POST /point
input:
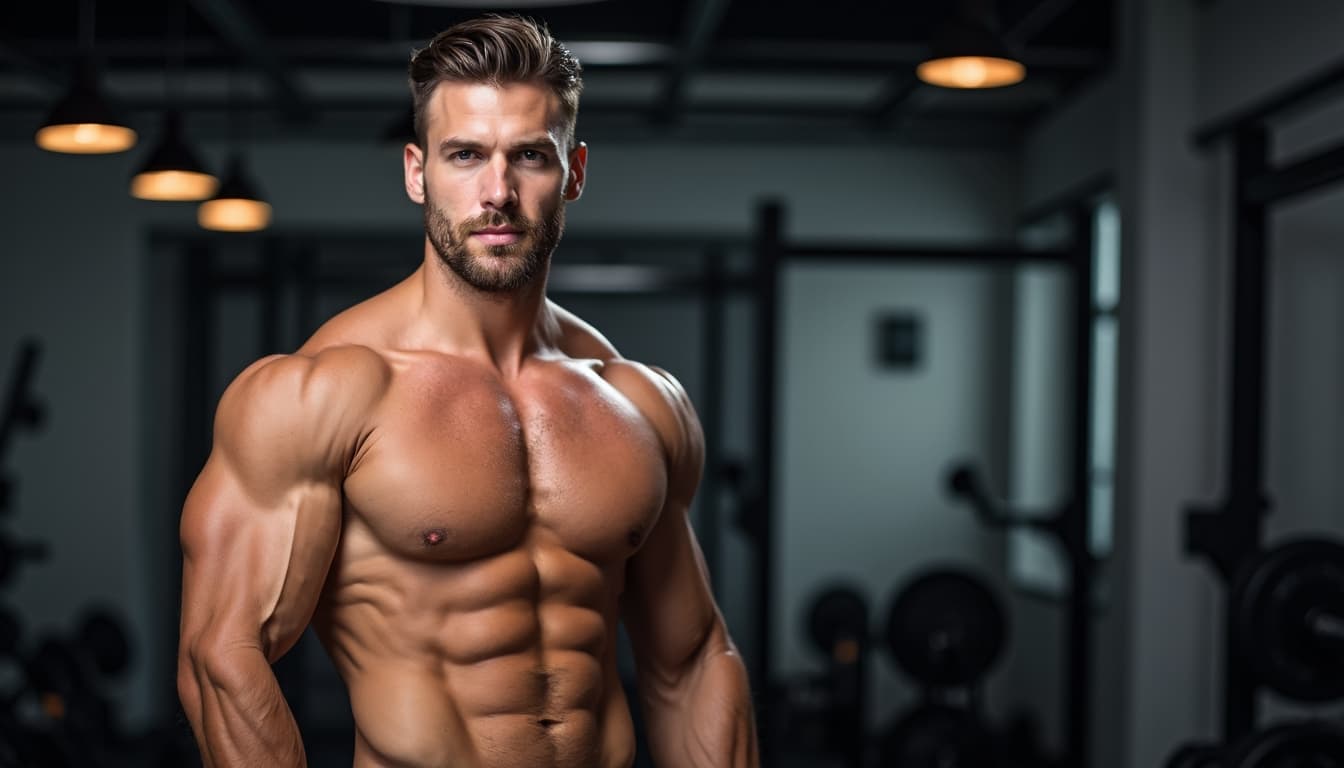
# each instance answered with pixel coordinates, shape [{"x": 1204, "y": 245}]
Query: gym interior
[{"x": 1024, "y": 411}]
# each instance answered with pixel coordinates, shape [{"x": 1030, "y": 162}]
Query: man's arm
[
  {"x": 692, "y": 682},
  {"x": 259, "y": 530}
]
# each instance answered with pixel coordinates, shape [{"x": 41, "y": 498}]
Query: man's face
[{"x": 494, "y": 179}]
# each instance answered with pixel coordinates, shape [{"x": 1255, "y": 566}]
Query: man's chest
[{"x": 458, "y": 466}]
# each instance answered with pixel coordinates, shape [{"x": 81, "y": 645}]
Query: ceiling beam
[
  {"x": 702, "y": 21},
  {"x": 740, "y": 54},
  {"x": 236, "y": 26},
  {"x": 26, "y": 65},
  {"x": 1041, "y": 15},
  {"x": 895, "y": 95}
]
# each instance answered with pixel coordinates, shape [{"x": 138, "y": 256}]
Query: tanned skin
[{"x": 463, "y": 492}]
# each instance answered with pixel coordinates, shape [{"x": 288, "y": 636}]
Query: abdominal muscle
[{"x": 503, "y": 661}]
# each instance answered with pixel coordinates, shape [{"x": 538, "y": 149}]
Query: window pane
[
  {"x": 1104, "y": 352},
  {"x": 1106, "y": 234},
  {"x": 1100, "y": 526}
]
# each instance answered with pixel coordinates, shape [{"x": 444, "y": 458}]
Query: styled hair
[{"x": 497, "y": 50}]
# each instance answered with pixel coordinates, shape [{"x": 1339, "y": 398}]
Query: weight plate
[
  {"x": 946, "y": 628},
  {"x": 838, "y": 614},
  {"x": 1292, "y": 745},
  {"x": 1284, "y": 602}
]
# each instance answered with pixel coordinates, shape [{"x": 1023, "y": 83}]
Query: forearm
[
  {"x": 704, "y": 718},
  {"x": 237, "y": 711}
]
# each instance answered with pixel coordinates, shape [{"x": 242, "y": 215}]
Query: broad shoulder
[
  {"x": 304, "y": 408},
  {"x": 664, "y": 403}
]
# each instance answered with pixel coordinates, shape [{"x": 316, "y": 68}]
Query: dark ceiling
[{"x": 718, "y": 69}]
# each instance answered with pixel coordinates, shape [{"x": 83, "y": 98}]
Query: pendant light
[
  {"x": 971, "y": 53},
  {"x": 237, "y": 206},
  {"x": 83, "y": 122},
  {"x": 173, "y": 171}
]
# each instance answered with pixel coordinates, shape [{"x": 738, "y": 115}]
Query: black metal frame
[
  {"x": 1230, "y": 534},
  {"x": 1070, "y": 522}
]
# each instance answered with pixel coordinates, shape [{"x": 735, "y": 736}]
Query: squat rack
[
  {"x": 1232, "y": 533},
  {"x": 1069, "y": 524}
]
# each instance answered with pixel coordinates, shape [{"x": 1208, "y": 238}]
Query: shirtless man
[{"x": 461, "y": 486}]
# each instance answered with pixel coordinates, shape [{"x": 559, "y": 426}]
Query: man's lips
[{"x": 498, "y": 235}]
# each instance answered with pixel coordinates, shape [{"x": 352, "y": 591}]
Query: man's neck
[{"x": 500, "y": 329}]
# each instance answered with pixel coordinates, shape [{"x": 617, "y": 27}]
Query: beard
[{"x": 495, "y": 268}]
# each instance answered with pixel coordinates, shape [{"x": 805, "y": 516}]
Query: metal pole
[
  {"x": 711, "y": 410},
  {"x": 769, "y": 234},
  {"x": 1246, "y": 502},
  {"x": 1077, "y": 516}
]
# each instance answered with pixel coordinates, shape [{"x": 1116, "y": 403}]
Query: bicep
[
  {"x": 667, "y": 606},
  {"x": 253, "y": 563}
]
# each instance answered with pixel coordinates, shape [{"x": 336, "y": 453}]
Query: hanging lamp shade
[
  {"x": 970, "y": 53},
  {"x": 84, "y": 122},
  {"x": 173, "y": 171},
  {"x": 237, "y": 206}
]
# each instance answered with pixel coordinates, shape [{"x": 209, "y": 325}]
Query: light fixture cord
[
  {"x": 87, "y": 11},
  {"x": 235, "y": 114},
  {"x": 177, "y": 57}
]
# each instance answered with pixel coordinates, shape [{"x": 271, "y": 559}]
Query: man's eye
[
  {"x": 463, "y": 155},
  {"x": 532, "y": 156}
]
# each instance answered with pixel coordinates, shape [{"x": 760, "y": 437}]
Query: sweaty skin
[{"x": 463, "y": 493}]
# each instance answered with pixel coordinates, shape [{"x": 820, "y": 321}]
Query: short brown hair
[{"x": 497, "y": 50}]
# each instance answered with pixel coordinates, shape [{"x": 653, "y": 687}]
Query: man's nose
[{"x": 497, "y": 185}]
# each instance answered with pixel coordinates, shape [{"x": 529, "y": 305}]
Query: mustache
[{"x": 495, "y": 219}]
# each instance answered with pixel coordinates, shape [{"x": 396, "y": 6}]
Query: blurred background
[{"x": 1015, "y": 325}]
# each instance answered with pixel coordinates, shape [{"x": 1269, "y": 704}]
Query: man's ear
[
  {"x": 413, "y": 158},
  {"x": 578, "y": 172}
]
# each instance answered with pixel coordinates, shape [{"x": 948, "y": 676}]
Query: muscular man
[{"x": 462, "y": 487}]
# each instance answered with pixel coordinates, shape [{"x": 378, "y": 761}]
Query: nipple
[
  {"x": 634, "y": 537},
  {"x": 434, "y": 536}
]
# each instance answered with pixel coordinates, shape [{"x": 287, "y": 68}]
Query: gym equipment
[
  {"x": 938, "y": 736},
  {"x": 1312, "y": 744},
  {"x": 21, "y": 410},
  {"x": 11, "y": 631},
  {"x": 13, "y": 553},
  {"x": 1229, "y": 535},
  {"x": 946, "y": 629},
  {"x": 103, "y": 642},
  {"x": 1305, "y": 744},
  {"x": 837, "y": 625},
  {"x": 1288, "y": 606}
]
